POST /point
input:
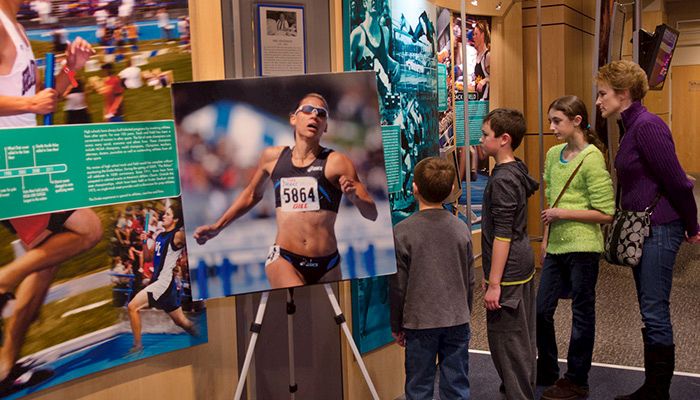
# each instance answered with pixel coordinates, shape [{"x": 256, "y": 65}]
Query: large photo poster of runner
[
  {"x": 283, "y": 182},
  {"x": 397, "y": 41}
]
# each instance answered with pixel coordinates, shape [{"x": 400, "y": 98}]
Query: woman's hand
[
  {"x": 694, "y": 239},
  {"x": 400, "y": 338},
  {"x": 347, "y": 186},
  {"x": 205, "y": 232},
  {"x": 552, "y": 215}
]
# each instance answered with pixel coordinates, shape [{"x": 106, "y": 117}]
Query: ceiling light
[
  {"x": 499, "y": 5},
  {"x": 475, "y": 2}
]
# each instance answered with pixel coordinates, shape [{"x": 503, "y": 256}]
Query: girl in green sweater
[{"x": 573, "y": 242}]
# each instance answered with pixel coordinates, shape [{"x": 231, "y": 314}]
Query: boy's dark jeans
[
  {"x": 580, "y": 271},
  {"x": 451, "y": 347}
]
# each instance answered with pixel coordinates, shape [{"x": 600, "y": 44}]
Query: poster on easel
[
  {"x": 284, "y": 182},
  {"x": 397, "y": 41}
]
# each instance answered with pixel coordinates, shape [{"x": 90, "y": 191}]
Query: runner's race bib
[{"x": 299, "y": 194}]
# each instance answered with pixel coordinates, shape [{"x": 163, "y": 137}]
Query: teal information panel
[
  {"x": 459, "y": 122},
  {"x": 442, "y": 87},
  {"x": 63, "y": 167},
  {"x": 391, "y": 139},
  {"x": 478, "y": 109}
]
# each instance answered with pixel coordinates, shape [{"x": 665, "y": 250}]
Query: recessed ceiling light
[
  {"x": 499, "y": 5},
  {"x": 475, "y": 2}
]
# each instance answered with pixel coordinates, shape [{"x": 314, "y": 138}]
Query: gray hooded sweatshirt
[{"x": 505, "y": 216}]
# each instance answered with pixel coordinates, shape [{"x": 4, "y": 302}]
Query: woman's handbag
[{"x": 625, "y": 240}]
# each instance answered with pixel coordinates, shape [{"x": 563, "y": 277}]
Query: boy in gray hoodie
[{"x": 509, "y": 265}]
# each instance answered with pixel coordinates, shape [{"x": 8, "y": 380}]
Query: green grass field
[{"x": 142, "y": 104}]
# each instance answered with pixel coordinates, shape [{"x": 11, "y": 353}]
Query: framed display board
[{"x": 281, "y": 40}]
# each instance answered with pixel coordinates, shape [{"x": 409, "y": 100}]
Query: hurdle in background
[{"x": 227, "y": 269}]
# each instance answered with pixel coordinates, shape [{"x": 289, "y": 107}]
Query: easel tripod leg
[
  {"x": 255, "y": 328},
  {"x": 340, "y": 320},
  {"x": 291, "y": 309}
]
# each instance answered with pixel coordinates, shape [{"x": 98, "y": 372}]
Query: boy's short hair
[
  {"x": 434, "y": 177},
  {"x": 507, "y": 120}
]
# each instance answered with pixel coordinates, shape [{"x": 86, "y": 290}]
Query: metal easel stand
[
  {"x": 256, "y": 326},
  {"x": 340, "y": 320}
]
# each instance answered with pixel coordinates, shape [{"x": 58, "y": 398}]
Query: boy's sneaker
[{"x": 564, "y": 389}]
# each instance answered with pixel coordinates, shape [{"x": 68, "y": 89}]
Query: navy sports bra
[{"x": 304, "y": 188}]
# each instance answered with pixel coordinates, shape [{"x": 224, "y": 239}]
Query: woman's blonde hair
[{"x": 624, "y": 75}]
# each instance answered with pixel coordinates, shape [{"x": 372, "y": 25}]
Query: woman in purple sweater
[{"x": 647, "y": 167}]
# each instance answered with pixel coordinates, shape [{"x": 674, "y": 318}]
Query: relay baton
[
  {"x": 145, "y": 228},
  {"x": 49, "y": 83}
]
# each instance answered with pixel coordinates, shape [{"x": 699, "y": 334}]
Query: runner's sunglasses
[{"x": 308, "y": 109}]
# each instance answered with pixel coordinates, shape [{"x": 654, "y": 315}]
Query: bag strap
[
  {"x": 649, "y": 209},
  {"x": 571, "y": 178}
]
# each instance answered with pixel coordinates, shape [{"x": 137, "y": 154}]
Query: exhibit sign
[
  {"x": 396, "y": 40},
  {"x": 283, "y": 181},
  {"x": 478, "y": 109},
  {"x": 65, "y": 167},
  {"x": 70, "y": 315},
  {"x": 281, "y": 40},
  {"x": 391, "y": 139},
  {"x": 122, "y": 248},
  {"x": 442, "y": 88}
]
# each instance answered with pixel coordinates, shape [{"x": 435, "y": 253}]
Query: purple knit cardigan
[{"x": 647, "y": 164}]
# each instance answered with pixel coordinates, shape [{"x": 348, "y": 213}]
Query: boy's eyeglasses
[{"x": 308, "y": 109}]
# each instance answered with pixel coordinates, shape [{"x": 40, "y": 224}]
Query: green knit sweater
[{"x": 591, "y": 189}]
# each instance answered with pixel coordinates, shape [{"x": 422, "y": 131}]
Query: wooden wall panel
[
  {"x": 559, "y": 14},
  {"x": 583, "y": 7},
  {"x": 686, "y": 119},
  {"x": 532, "y": 159},
  {"x": 207, "y": 40},
  {"x": 506, "y": 60},
  {"x": 553, "y": 72}
]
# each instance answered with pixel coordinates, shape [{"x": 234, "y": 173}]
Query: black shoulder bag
[{"x": 625, "y": 242}]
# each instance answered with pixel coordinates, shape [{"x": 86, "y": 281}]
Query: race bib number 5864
[{"x": 299, "y": 194}]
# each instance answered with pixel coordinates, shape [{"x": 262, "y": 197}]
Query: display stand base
[{"x": 256, "y": 326}]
